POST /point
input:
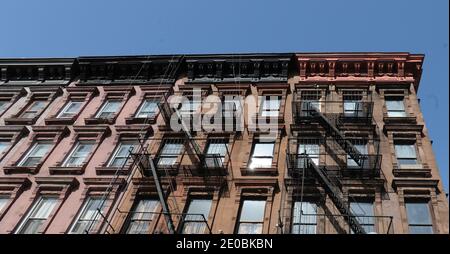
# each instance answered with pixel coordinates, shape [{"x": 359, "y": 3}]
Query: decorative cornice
[
  {"x": 238, "y": 68},
  {"x": 360, "y": 67},
  {"x": 36, "y": 71},
  {"x": 126, "y": 69}
]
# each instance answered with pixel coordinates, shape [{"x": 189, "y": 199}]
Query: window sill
[
  {"x": 104, "y": 170},
  {"x": 21, "y": 170},
  {"x": 268, "y": 119},
  {"x": 416, "y": 171},
  {"x": 140, "y": 120},
  {"x": 272, "y": 171},
  {"x": 59, "y": 170},
  {"x": 60, "y": 121},
  {"x": 20, "y": 121},
  {"x": 397, "y": 120},
  {"x": 94, "y": 120}
]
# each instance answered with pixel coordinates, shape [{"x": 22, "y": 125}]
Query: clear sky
[{"x": 59, "y": 28}]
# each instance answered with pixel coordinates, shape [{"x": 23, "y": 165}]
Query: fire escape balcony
[{"x": 358, "y": 112}]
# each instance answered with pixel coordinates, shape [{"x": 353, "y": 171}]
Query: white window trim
[
  {"x": 85, "y": 204},
  {"x": 113, "y": 157},
  {"x": 73, "y": 151},
  {"x": 142, "y": 107},
  {"x": 27, "y": 217},
  {"x": 66, "y": 107},
  {"x": 103, "y": 107},
  {"x": 24, "y": 158}
]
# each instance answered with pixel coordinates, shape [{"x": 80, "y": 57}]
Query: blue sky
[{"x": 87, "y": 27}]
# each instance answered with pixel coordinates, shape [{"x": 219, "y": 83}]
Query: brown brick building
[{"x": 87, "y": 145}]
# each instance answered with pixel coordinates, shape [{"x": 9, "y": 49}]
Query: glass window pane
[
  {"x": 405, "y": 151},
  {"x": 418, "y": 213},
  {"x": 3, "y": 201},
  {"x": 37, "y": 106},
  {"x": 40, "y": 150},
  {"x": 263, "y": 149},
  {"x": 31, "y": 226},
  {"x": 253, "y": 211},
  {"x": 260, "y": 163},
  {"x": 250, "y": 228},
  {"x": 199, "y": 206},
  {"x": 44, "y": 208},
  {"x": 421, "y": 230},
  {"x": 308, "y": 212},
  {"x": 217, "y": 148},
  {"x": 144, "y": 207},
  {"x": 3, "y": 146},
  {"x": 172, "y": 149},
  {"x": 395, "y": 105},
  {"x": 73, "y": 106},
  {"x": 396, "y": 114}
]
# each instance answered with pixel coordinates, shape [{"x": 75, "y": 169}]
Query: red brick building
[{"x": 79, "y": 139}]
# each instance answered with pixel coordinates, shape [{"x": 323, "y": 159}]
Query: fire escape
[{"x": 309, "y": 110}]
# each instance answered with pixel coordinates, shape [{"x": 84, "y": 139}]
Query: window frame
[
  {"x": 31, "y": 149},
  {"x": 396, "y": 98},
  {"x": 73, "y": 150},
  {"x": 239, "y": 220},
  {"x": 399, "y": 159},
  {"x": 300, "y": 223},
  {"x": 82, "y": 211},
  {"x": 66, "y": 106},
  {"x": 105, "y": 103},
  {"x": 252, "y": 155},
  {"x": 141, "y": 107},
  {"x": 33, "y": 209},
  {"x": 429, "y": 225},
  {"x": 113, "y": 157},
  {"x": 187, "y": 220},
  {"x": 150, "y": 221}
]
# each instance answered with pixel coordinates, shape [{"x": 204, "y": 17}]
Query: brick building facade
[{"x": 351, "y": 154}]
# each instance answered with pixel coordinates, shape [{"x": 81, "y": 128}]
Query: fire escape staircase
[
  {"x": 336, "y": 196},
  {"x": 331, "y": 188}
]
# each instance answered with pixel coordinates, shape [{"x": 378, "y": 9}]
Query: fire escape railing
[{"x": 331, "y": 116}]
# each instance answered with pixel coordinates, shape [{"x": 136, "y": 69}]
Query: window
[
  {"x": 89, "y": 216},
  {"x": 3, "y": 146},
  {"x": 109, "y": 109},
  {"x": 395, "y": 107},
  {"x": 170, "y": 152},
  {"x": 34, "y": 109},
  {"x": 364, "y": 214},
  {"x": 270, "y": 105},
  {"x": 310, "y": 148},
  {"x": 142, "y": 216},
  {"x": 79, "y": 154},
  {"x": 419, "y": 218},
  {"x": 406, "y": 153},
  {"x": 232, "y": 104},
  {"x": 361, "y": 146},
  {"x": 148, "y": 109},
  {"x": 216, "y": 152},
  {"x": 38, "y": 215},
  {"x": 252, "y": 217},
  {"x": 120, "y": 156},
  {"x": 35, "y": 155},
  {"x": 189, "y": 106},
  {"x": 353, "y": 108},
  {"x": 304, "y": 218},
  {"x": 3, "y": 105},
  {"x": 3, "y": 201},
  {"x": 310, "y": 102},
  {"x": 262, "y": 155},
  {"x": 194, "y": 222},
  {"x": 70, "y": 110}
]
